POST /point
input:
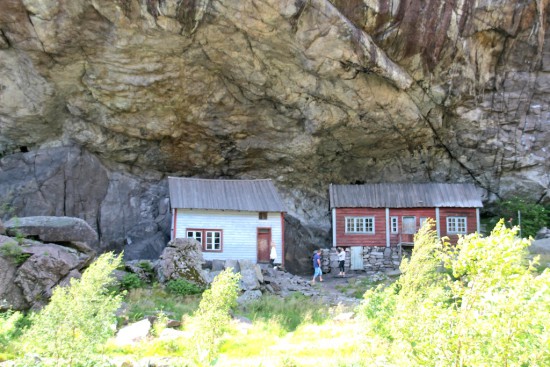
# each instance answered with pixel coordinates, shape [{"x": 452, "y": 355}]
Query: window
[
  {"x": 210, "y": 239},
  {"x": 359, "y": 224},
  {"x": 262, "y": 215},
  {"x": 456, "y": 225},
  {"x": 394, "y": 225},
  {"x": 197, "y": 235},
  {"x": 213, "y": 241},
  {"x": 409, "y": 225}
]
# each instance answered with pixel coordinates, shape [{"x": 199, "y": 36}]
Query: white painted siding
[{"x": 239, "y": 231}]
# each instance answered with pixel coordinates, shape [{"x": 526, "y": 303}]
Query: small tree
[
  {"x": 78, "y": 319},
  {"x": 212, "y": 318},
  {"x": 533, "y": 216},
  {"x": 478, "y": 303}
]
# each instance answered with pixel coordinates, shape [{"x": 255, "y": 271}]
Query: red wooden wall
[{"x": 379, "y": 237}]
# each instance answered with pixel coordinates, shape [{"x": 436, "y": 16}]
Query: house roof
[
  {"x": 405, "y": 195},
  {"x": 244, "y": 195}
]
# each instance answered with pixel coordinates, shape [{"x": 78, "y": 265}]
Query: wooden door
[
  {"x": 264, "y": 239},
  {"x": 356, "y": 257}
]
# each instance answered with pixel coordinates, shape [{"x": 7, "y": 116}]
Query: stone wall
[{"x": 375, "y": 259}]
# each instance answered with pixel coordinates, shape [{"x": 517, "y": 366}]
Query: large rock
[
  {"x": 249, "y": 275},
  {"x": 2, "y": 228},
  {"x": 182, "y": 258},
  {"x": 44, "y": 269},
  {"x": 52, "y": 229},
  {"x": 133, "y": 333},
  {"x": 11, "y": 296},
  {"x": 540, "y": 247}
]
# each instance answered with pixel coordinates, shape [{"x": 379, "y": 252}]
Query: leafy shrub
[
  {"x": 10, "y": 326},
  {"x": 183, "y": 287},
  {"x": 533, "y": 216},
  {"x": 212, "y": 318},
  {"x": 130, "y": 281},
  {"x": 146, "y": 266},
  {"x": 474, "y": 304},
  {"x": 12, "y": 250},
  {"x": 78, "y": 319}
]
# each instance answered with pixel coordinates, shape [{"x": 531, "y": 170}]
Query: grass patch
[
  {"x": 144, "y": 302},
  {"x": 357, "y": 287},
  {"x": 287, "y": 313}
]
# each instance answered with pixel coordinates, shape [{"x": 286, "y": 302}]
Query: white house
[{"x": 232, "y": 219}]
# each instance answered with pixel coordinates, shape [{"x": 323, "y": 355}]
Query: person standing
[
  {"x": 342, "y": 262},
  {"x": 273, "y": 255},
  {"x": 317, "y": 267}
]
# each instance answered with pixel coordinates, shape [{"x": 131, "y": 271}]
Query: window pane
[
  {"x": 360, "y": 224},
  {"x": 369, "y": 225},
  {"x": 349, "y": 224}
]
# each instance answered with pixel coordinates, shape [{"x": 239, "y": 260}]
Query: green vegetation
[
  {"x": 130, "y": 281},
  {"x": 533, "y": 216},
  {"x": 183, "y": 287},
  {"x": 13, "y": 251},
  {"x": 143, "y": 302},
  {"x": 476, "y": 304},
  {"x": 79, "y": 319},
  {"x": 212, "y": 318},
  {"x": 285, "y": 315},
  {"x": 480, "y": 303}
]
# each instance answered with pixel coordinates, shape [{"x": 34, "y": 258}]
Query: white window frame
[
  {"x": 394, "y": 225},
  {"x": 213, "y": 241},
  {"x": 455, "y": 227},
  {"x": 360, "y": 225},
  {"x": 195, "y": 234}
]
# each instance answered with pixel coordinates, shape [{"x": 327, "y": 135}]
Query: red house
[{"x": 388, "y": 214}]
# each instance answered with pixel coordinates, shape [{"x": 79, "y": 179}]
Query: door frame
[{"x": 270, "y": 239}]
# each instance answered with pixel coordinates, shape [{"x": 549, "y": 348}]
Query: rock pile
[{"x": 30, "y": 269}]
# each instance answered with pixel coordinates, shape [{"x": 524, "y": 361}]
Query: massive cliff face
[{"x": 117, "y": 94}]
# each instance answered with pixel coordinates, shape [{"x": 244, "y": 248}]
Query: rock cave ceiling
[{"x": 305, "y": 92}]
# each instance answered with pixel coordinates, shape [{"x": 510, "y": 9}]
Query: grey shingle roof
[
  {"x": 244, "y": 195},
  {"x": 405, "y": 195}
]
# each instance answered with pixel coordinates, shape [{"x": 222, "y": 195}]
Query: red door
[{"x": 264, "y": 239}]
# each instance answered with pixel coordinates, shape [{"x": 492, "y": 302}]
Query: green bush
[
  {"x": 11, "y": 250},
  {"x": 533, "y": 216},
  {"x": 130, "y": 281},
  {"x": 183, "y": 287},
  {"x": 10, "y": 327},
  {"x": 79, "y": 318},
  {"x": 212, "y": 318},
  {"x": 474, "y": 304}
]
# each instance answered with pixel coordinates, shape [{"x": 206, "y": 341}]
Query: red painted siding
[
  {"x": 379, "y": 237},
  {"x": 471, "y": 221}
]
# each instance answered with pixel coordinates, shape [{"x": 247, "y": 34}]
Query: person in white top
[
  {"x": 341, "y": 262},
  {"x": 273, "y": 254}
]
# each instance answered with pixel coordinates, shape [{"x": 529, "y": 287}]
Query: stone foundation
[{"x": 375, "y": 259}]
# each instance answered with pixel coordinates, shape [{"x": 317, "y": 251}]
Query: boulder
[
  {"x": 233, "y": 264},
  {"x": 44, "y": 269},
  {"x": 11, "y": 296},
  {"x": 182, "y": 258},
  {"x": 249, "y": 275},
  {"x": 133, "y": 333},
  {"x": 218, "y": 265},
  {"x": 540, "y": 247},
  {"x": 249, "y": 296},
  {"x": 2, "y": 228},
  {"x": 52, "y": 229}
]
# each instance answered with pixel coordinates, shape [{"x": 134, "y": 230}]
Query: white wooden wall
[{"x": 239, "y": 231}]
